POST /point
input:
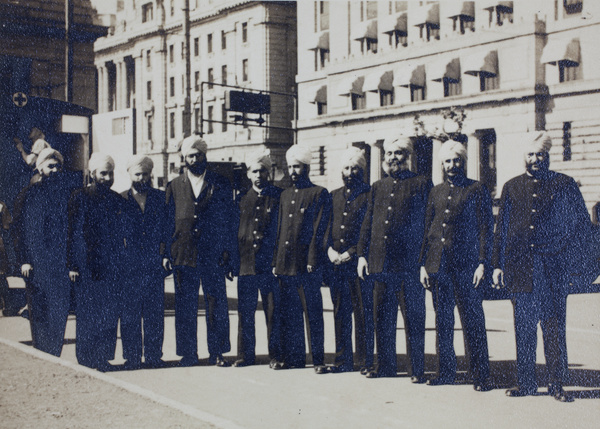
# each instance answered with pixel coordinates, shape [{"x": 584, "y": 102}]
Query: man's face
[
  {"x": 298, "y": 171},
  {"x": 104, "y": 176},
  {"x": 453, "y": 166},
  {"x": 537, "y": 162},
  {"x": 51, "y": 168},
  {"x": 195, "y": 161},
  {"x": 397, "y": 159},
  {"x": 352, "y": 175},
  {"x": 140, "y": 179},
  {"x": 258, "y": 175}
]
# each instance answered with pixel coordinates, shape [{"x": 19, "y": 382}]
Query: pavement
[{"x": 258, "y": 397}]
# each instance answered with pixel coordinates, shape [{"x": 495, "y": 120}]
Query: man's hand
[
  {"x": 498, "y": 278},
  {"x": 345, "y": 257},
  {"x": 167, "y": 264},
  {"x": 424, "y": 278},
  {"x": 73, "y": 276},
  {"x": 310, "y": 268},
  {"x": 478, "y": 275},
  {"x": 333, "y": 256},
  {"x": 274, "y": 273},
  {"x": 362, "y": 268},
  {"x": 26, "y": 270}
]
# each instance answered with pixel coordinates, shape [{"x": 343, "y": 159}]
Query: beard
[
  {"x": 104, "y": 186},
  {"x": 351, "y": 181},
  {"x": 141, "y": 187},
  {"x": 197, "y": 168}
]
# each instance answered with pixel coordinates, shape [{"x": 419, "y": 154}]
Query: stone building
[
  {"x": 370, "y": 70},
  {"x": 244, "y": 44}
]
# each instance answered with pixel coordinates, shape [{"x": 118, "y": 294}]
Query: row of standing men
[{"x": 377, "y": 247}]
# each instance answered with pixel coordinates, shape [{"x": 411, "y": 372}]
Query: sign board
[{"x": 247, "y": 102}]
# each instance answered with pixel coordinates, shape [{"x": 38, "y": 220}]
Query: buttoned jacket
[
  {"x": 348, "y": 212},
  {"x": 458, "y": 224},
  {"x": 537, "y": 216},
  {"x": 393, "y": 227},
  {"x": 303, "y": 215},
  {"x": 202, "y": 228},
  {"x": 257, "y": 230}
]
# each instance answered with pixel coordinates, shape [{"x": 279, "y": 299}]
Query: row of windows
[{"x": 209, "y": 127}]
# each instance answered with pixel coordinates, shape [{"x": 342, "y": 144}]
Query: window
[
  {"x": 149, "y": 126},
  {"x": 358, "y": 101},
  {"x": 118, "y": 126},
  {"x": 398, "y": 38},
  {"x": 196, "y": 46},
  {"x": 386, "y": 97},
  {"x": 211, "y": 78},
  {"x": 368, "y": 45},
  {"x": 321, "y": 58},
  {"x": 245, "y": 70},
  {"x": 463, "y": 23},
  {"x": 573, "y": 6},
  {"x": 223, "y": 118},
  {"x": 399, "y": 6},
  {"x": 196, "y": 81},
  {"x": 568, "y": 70},
  {"x": 182, "y": 84},
  {"x": 209, "y": 43},
  {"x": 371, "y": 9},
  {"x": 171, "y": 53},
  {"x": 322, "y": 160},
  {"x": 321, "y": 108},
  {"x": 148, "y": 59},
  {"x": 500, "y": 15},
  {"x": 172, "y": 8},
  {"x": 323, "y": 15},
  {"x": 566, "y": 141},
  {"x": 417, "y": 93},
  {"x": 210, "y": 120},
  {"x": 488, "y": 81},
  {"x": 224, "y": 75},
  {"x": 172, "y": 125},
  {"x": 182, "y": 51},
  {"x": 487, "y": 160},
  {"x": 149, "y": 90},
  {"x": 197, "y": 119},
  {"x": 452, "y": 87},
  {"x": 147, "y": 12},
  {"x": 172, "y": 86},
  {"x": 223, "y": 40},
  {"x": 429, "y": 31},
  {"x": 244, "y": 32}
]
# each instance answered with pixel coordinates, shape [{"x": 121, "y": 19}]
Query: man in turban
[
  {"x": 201, "y": 214},
  {"x": 43, "y": 255},
  {"x": 455, "y": 252},
  {"x": 257, "y": 232},
  {"x": 541, "y": 213},
  {"x": 299, "y": 256},
  {"x": 146, "y": 234},
  {"x": 348, "y": 293},
  {"x": 388, "y": 251},
  {"x": 95, "y": 250}
]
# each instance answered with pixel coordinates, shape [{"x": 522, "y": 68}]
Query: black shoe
[
  {"x": 558, "y": 393},
  {"x": 104, "y": 367},
  {"x": 482, "y": 386},
  {"x": 336, "y": 369},
  {"x": 440, "y": 381},
  {"x": 273, "y": 363},
  {"x": 188, "y": 361},
  {"x": 241, "y": 363},
  {"x": 285, "y": 365},
  {"x": 155, "y": 363},
  {"x": 418, "y": 379},
  {"x": 378, "y": 374},
  {"x": 517, "y": 392},
  {"x": 132, "y": 364},
  {"x": 321, "y": 369},
  {"x": 366, "y": 369},
  {"x": 218, "y": 360}
]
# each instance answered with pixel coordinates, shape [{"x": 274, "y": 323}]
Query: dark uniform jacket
[
  {"x": 393, "y": 227},
  {"x": 458, "y": 224},
  {"x": 257, "y": 230},
  {"x": 146, "y": 233},
  {"x": 96, "y": 236},
  {"x": 347, "y": 215},
  {"x": 543, "y": 216},
  {"x": 203, "y": 225},
  {"x": 303, "y": 214}
]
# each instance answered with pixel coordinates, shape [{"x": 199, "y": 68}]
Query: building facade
[
  {"x": 482, "y": 71},
  {"x": 247, "y": 45}
]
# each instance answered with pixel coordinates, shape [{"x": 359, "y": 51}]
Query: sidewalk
[{"x": 257, "y": 397}]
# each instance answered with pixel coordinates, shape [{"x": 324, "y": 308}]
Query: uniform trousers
[
  {"x": 98, "y": 309},
  {"x": 547, "y": 304},
  {"x": 350, "y": 295},
  {"x": 187, "y": 286},
  {"x": 404, "y": 289},
  {"x": 296, "y": 291},
  {"x": 143, "y": 299},
  {"x": 248, "y": 289},
  {"x": 453, "y": 286}
]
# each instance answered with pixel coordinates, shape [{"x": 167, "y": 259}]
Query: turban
[
  {"x": 538, "y": 141},
  {"x": 193, "y": 142},
  {"x": 100, "y": 160},
  {"x": 46, "y": 155},
  {"x": 298, "y": 153},
  {"x": 451, "y": 148},
  {"x": 140, "y": 162},
  {"x": 400, "y": 142},
  {"x": 261, "y": 157},
  {"x": 353, "y": 156}
]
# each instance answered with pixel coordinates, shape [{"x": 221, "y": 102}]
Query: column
[
  {"x": 376, "y": 151},
  {"x": 100, "y": 91},
  {"x": 437, "y": 175},
  {"x": 473, "y": 161}
]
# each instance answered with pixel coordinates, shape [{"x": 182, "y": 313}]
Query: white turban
[
  {"x": 353, "y": 156},
  {"x": 101, "y": 160},
  {"x": 193, "y": 142},
  {"x": 298, "y": 153},
  {"x": 46, "y": 155},
  {"x": 140, "y": 162},
  {"x": 261, "y": 157},
  {"x": 451, "y": 148},
  {"x": 400, "y": 142},
  {"x": 538, "y": 141}
]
